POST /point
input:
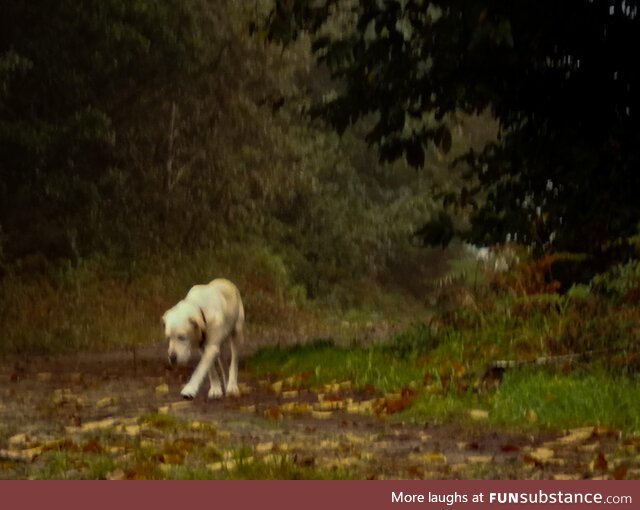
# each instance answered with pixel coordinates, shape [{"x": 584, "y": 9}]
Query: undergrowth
[
  {"x": 572, "y": 359},
  {"x": 102, "y": 303}
]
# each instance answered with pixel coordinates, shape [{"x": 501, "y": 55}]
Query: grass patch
[
  {"x": 563, "y": 401},
  {"x": 326, "y": 363}
]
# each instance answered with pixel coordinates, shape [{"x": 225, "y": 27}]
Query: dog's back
[{"x": 222, "y": 296}]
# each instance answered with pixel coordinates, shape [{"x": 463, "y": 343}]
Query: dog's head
[{"x": 184, "y": 327}]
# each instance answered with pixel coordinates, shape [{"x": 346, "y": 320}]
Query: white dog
[{"x": 209, "y": 315}]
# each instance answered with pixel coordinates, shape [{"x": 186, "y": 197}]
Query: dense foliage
[
  {"x": 137, "y": 128},
  {"x": 559, "y": 77}
]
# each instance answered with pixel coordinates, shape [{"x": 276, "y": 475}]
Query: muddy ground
[{"x": 57, "y": 403}]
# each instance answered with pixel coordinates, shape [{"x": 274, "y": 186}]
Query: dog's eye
[{"x": 182, "y": 338}]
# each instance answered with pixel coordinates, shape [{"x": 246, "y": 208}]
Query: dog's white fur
[{"x": 207, "y": 317}]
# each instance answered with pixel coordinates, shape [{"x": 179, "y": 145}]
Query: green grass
[
  {"x": 326, "y": 363},
  {"x": 446, "y": 370},
  {"x": 564, "y": 401}
]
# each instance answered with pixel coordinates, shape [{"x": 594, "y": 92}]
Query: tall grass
[{"x": 102, "y": 303}]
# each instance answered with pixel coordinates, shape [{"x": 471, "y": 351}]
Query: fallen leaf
[
  {"x": 92, "y": 425},
  {"x": 633, "y": 442},
  {"x": 92, "y": 447},
  {"x": 599, "y": 463},
  {"x": 576, "y": 435},
  {"x": 173, "y": 458},
  {"x": 566, "y": 476},
  {"x": 244, "y": 388},
  {"x": 332, "y": 388},
  {"x": 321, "y": 415},
  {"x": 541, "y": 455},
  {"x": 117, "y": 474},
  {"x": 131, "y": 430},
  {"x": 290, "y": 394},
  {"x": 364, "y": 407},
  {"x": 430, "y": 458},
  {"x": 75, "y": 377},
  {"x": 264, "y": 447},
  {"x": 273, "y": 413},
  {"x": 479, "y": 459},
  {"x": 59, "y": 444},
  {"x": 620, "y": 473},
  {"x": 27, "y": 455},
  {"x": 479, "y": 414},
  {"x": 276, "y": 387},
  {"x": 295, "y": 407},
  {"x": 329, "y": 405},
  {"x": 591, "y": 447},
  {"x": 106, "y": 402},
  {"x": 162, "y": 389},
  {"x": 601, "y": 431},
  {"x": 181, "y": 405},
  {"x": 64, "y": 396},
  {"x": 18, "y": 439}
]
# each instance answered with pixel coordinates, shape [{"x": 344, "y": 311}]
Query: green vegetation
[
  {"x": 562, "y": 174},
  {"x": 310, "y": 151},
  {"x": 186, "y": 156},
  {"x": 572, "y": 360}
]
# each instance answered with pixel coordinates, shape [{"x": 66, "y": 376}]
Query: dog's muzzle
[{"x": 173, "y": 359}]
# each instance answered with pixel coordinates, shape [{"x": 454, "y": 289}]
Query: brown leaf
[
  {"x": 620, "y": 473},
  {"x": 416, "y": 471},
  {"x": 633, "y": 442},
  {"x": 601, "y": 431},
  {"x": 273, "y": 413},
  {"x": 92, "y": 447},
  {"x": 60, "y": 444},
  {"x": 508, "y": 448},
  {"x": 599, "y": 463}
]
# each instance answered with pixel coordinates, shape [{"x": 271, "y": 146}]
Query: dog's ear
[{"x": 198, "y": 321}]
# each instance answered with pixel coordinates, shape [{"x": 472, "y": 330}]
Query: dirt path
[{"x": 112, "y": 404}]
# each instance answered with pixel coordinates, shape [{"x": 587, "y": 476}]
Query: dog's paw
[
  {"x": 188, "y": 392},
  {"x": 215, "y": 392},
  {"x": 233, "y": 391}
]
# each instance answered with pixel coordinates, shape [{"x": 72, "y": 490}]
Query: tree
[
  {"x": 559, "y": 77},
  {"x": 70, "y": 75}
]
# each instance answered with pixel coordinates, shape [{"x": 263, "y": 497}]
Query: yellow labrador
[{"x": 207, "y": 317}]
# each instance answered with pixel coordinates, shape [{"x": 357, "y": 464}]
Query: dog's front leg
[
  {"x": 215, "y": 389},
  {"x": 206, "y": 361}
]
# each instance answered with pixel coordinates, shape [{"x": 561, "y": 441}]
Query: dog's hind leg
[
  {"x": 222, "y": 373},
  {"x": 232, "y": 383}
]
